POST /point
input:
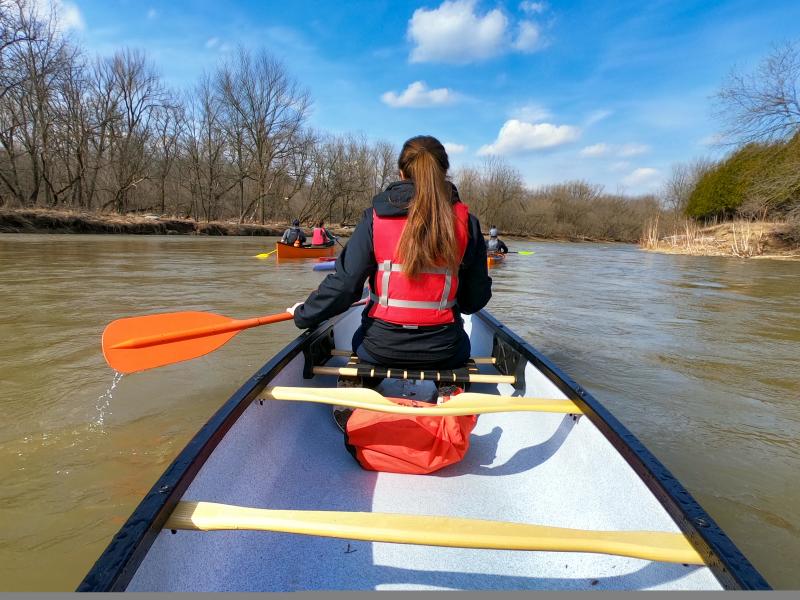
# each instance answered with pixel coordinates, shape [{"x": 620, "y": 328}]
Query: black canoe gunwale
[
  {"x": 731, "y": 568},
  {"x": 118, "y": 563}
]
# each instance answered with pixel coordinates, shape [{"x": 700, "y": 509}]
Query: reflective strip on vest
[{"x": 388, "y": 267}]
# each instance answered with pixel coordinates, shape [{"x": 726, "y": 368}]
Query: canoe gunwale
[
  {"x": 118, "y": 563},
  {"x": 731, "y": 568}
]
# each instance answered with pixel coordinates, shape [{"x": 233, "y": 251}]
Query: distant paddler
[
  {"x": 294, "y": 236},
  {"x": 495, "y": 244}
]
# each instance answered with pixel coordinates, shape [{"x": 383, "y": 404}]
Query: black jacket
[{"x": 386, "y": 341}]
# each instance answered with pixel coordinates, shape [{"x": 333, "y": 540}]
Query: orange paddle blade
[{"x": 139, "y": 343}]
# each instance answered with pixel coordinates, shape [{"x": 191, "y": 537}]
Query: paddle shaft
[
  {"x": 198, "y": 332},
  {"x": 454, "y": 532}
]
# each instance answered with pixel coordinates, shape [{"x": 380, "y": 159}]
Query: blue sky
[{"x": 613, "y": 92}]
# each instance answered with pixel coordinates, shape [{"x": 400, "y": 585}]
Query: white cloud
[
  {"x": 152, "y": 14},
  {"x": 533, "y": 7},
  {"x": 532, "y": 113},
  {"x": 643, "y": 177},
  {"x": 518, "y": 136},
  {"x": 597, "y": 116},
  {"x": 528, "y": 37},
  {"x": 67, "y": 14},
  {"x": 417, "y": 95},
  {"x": 212, "y": 42},
  {"x": 455, "y": 33},
  {"x": 596, "y": 150},
  {"x": 715, "y": 139},
  {"x": 622, "y": 165},
  {"x": 453, "y": 148},
  {"x": 623, "y": 151},
  {"x": 70, "y": 16},
  {"x": 633, "y": 149}
]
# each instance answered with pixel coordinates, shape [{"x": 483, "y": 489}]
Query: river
[{"x": 697, "y": 356}]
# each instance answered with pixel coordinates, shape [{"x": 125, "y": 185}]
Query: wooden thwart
[
  {"x": 468, "y": 403},
  {"x": 456, "y": 376},
  {"x": 435, "y": 531}
]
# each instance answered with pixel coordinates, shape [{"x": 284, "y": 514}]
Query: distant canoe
[
  {"x": 289, "y": 251},
  {"x": 495, "y": 259}
]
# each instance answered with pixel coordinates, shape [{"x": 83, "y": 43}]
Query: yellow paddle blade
[
  {"x": 468, "y": 403},
  {"x": 435, "y": 531},
  {"x": 265, "y": 254}
]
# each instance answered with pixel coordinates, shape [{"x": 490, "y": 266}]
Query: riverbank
[
  {"x": 54, "y": 221},
  {"x": 39, "y": 220},
  {"x": 742, "y": 239}
]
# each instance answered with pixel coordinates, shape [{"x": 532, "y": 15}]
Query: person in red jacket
[
  {"x": 321, "y": 236},
  {"x": 424, "y": 257}
]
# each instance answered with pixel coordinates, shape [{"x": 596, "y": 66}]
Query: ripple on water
[{"x": 698, "y": 357}]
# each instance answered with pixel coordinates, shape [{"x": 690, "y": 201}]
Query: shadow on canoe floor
[
  {"x": 313, "y": 471},
  {"x": 648, "y": 576},
  {"x": 483, "y": 450}
]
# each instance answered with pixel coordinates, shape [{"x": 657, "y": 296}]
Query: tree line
[
  {"x": 106, "y": 134},
  {"x": 759, "y": 178}
]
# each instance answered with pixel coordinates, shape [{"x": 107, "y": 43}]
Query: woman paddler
[{"x": 425, "y": 259}]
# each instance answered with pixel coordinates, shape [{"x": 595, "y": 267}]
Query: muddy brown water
[{"x": 697, "y": 356}]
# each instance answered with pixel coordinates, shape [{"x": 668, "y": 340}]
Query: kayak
[
  {"x": 328, "y": 265},
  {"x": 554, "y": 492},
  {"x": 289, "y": 251},
  {"x": 495, "y": 258}
]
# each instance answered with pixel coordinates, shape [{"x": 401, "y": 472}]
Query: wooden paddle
[
  {"x": 467, "y": 403},
  {"x": 454, "y": 532}
]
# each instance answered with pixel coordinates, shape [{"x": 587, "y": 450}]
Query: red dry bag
[{"x": 407, "y": 443}]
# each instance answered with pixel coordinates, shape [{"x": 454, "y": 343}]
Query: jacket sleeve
[
  {"x": 346, "y": 285},
  {"x": 474, "y": 283}
]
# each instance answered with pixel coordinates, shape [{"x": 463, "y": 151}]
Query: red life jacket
[
  {"x": 426, "y": 300},
  {"x": 319, "y": 237}
]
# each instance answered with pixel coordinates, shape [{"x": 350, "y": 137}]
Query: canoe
[
  {"x": 582, "y": 503},
  {"x": 289, "y": 251},
  {"x": 495, "y": 258}
]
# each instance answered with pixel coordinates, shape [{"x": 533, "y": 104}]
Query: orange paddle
[{"x": 140, "y": 343}]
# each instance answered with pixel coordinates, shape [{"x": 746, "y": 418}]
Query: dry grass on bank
[{"x": 743, "y": 239}]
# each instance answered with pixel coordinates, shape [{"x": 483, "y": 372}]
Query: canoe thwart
[
  {"x": 435, "y": 531},
  {"x": 468, "y": 403},
  {"x": 450, "y": 376}
]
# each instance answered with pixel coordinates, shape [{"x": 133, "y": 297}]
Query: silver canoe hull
[{"x": 548, "y": 469}]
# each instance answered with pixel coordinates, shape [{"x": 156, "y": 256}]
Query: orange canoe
[
  {"x": 287, "y": 251},
  {"x": 495, "y": 259}
]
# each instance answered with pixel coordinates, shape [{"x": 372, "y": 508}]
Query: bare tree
[
  {"x": 681, "y": 183},
  {"x": 763, "y": 105},
  {"x": 271, "y": 109},
  {"x": 141, "y": 97}
]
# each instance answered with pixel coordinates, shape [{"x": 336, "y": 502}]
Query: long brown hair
[{"x": 429, "y": 236}]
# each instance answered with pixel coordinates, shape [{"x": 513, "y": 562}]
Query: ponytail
[{"x": 429, "y": 237}]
